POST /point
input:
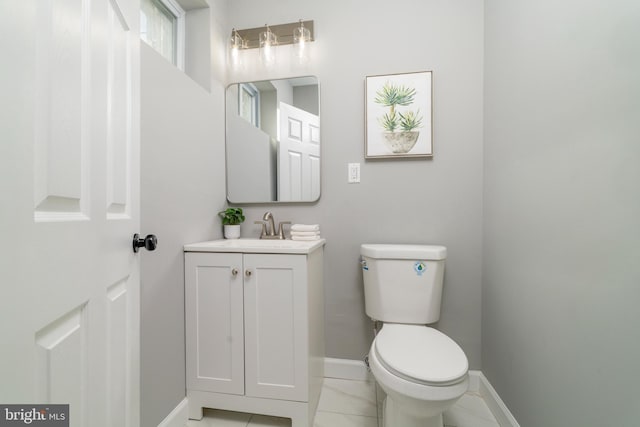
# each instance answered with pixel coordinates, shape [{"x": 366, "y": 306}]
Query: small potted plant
[{"x": 231, "y": 220}]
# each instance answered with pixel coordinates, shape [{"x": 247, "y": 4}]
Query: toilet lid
[{"x": 421, "y": 353}]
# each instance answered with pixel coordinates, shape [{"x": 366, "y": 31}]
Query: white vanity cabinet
[{"x": 254, "y": 328}]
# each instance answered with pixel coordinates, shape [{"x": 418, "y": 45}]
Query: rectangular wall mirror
[{"x": 273, "y": 141}]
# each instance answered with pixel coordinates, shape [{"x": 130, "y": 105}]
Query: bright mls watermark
[{"x": 34, "y": 415}]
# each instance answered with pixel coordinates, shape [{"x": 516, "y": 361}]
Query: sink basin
[{"x": 256, "y": 246}]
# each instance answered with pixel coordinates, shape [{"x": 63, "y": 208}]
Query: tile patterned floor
[{"x": 346, "y": 403}]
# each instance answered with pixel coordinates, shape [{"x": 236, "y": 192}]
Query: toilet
[{"x": 422, "y": 371}]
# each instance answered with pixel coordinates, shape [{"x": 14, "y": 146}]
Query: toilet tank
[{"x": 403, "y": 283}]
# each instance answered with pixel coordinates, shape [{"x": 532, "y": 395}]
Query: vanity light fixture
[{"x": 298, "y": 34}]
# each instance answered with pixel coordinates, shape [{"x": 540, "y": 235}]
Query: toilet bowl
[{"x": 422, "y": 371}]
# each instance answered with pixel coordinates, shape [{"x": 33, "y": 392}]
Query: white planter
[
  {"x": 232, "y": 231},
  {"x": 400, "y": 142}
]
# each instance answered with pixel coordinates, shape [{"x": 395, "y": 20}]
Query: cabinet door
[
  {"x": 214, "y": 322},
  {"x": 276, "y": 326}
]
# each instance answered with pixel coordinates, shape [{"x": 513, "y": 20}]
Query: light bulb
[
  {"x": 301, "y": 39},
  {"x": 268, "y": 42},
  {"x": 235, "y": 45}
]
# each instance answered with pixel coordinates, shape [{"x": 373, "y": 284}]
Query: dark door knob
[{"x": 149, "y": 243}]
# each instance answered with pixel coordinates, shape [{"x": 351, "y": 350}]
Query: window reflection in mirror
[
  {"x": 273, "y": 141},
  {"x": 249, "y": 103}
]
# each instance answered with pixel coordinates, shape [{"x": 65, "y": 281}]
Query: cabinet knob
[
  {"x": 247, "y": 273},
  {"x": 234, "y": 272}
]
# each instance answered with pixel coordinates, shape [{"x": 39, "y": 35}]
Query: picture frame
[{"x": 399, "y": 115}]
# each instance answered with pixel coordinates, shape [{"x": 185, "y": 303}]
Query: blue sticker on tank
[{"x": 420, "y": 267}]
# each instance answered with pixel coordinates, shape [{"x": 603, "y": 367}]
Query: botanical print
[{"x": 398, "y": 115}]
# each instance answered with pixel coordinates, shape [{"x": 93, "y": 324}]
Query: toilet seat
[{"x": 420, "y": 354}]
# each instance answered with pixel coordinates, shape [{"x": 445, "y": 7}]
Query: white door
[
  {"x": 298, "y": 155},
  {"x": 69, "y": 121}
]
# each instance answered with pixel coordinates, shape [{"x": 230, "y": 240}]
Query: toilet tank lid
[{"x": 392, "y": 251}]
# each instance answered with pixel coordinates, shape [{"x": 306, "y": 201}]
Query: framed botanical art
[{"x": 399, "y": 115}]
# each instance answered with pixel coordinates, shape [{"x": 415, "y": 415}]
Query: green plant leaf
[
  {"x": 389, "y": 121},
  {"x": 232, "y": 216},
  {"x": 391, "y": 95},
  {"x": 410, "y": 120}
]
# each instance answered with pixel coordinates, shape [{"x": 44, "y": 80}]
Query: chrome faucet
[{"x": 269, "y": 227}]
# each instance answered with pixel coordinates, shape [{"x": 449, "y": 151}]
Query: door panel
[
  {"x": 119, "y": 130},
  {"x": 118, "y": 323},
  {"x": 61, "y": 358},
  {"x": 276, "y": 330},
  {"x": 62, "y": 119},
  {"x": 214, "y": 322}
]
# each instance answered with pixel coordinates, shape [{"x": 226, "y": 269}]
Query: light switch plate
[{"x": 353, "y": 173}]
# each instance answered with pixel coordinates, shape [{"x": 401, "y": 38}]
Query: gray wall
[
  {"x": 561, "y": 340},
  {"x": 306, "y": 98},
  {"x": 182, "y": 189},
  {"x": 411, "y": 201}
]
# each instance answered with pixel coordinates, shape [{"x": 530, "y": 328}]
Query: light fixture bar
[{"x": 284, "y": 33}]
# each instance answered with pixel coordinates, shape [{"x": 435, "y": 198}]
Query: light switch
[{"x": 353, "y": 173}]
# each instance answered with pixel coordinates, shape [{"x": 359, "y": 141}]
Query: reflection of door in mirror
[
  {"x": 262, "y": 166},
  {"x": 298, "y": 155}
]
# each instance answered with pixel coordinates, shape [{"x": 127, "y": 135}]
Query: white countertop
[{"x": 261, "y": 246}]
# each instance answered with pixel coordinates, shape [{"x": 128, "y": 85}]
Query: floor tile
[
  {"x": 380, "y": 396},
  {"x": 470, "y": 411},
  {"x": 334, "y": 419},
  {"x": 348, "y": 397},
  {"x": 266, "y": 421},
  {"x": 218, "y": 418}
]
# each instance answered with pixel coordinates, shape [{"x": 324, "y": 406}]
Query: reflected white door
[
  {"x": 69, "y": 157},
  {"x": 298, "y": 155}
]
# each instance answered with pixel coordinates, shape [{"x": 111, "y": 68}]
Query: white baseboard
[
  {"x": 178, "y": 417},
  {"x": 495, "y": 403},
  {"x": 474, "y": 381},
  {"x": 346, "y": 369}
]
